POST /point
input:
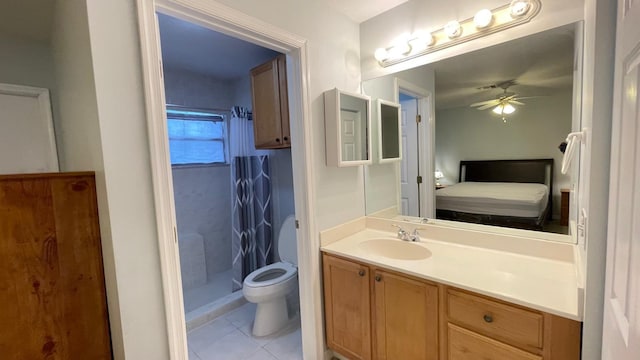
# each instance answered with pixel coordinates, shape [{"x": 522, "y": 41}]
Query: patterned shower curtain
[{"x": 252, "y": 233}]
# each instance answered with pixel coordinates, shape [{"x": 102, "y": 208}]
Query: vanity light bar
[{"x": 485, "y": 22}]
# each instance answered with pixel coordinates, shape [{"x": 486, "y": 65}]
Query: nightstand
[{"x": 564, "y": 206}]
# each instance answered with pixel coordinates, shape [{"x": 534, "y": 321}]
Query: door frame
[
  {"x": 426, "y": 144},
  {"x": 231, "y": 22}
]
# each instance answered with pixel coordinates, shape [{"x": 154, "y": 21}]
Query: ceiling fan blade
[
  {"x": 530, "y": 97},
  {"x": 481, "y": 103},
  {"x": 488, "y": 106},
  {"x": 516, "y": 102}
]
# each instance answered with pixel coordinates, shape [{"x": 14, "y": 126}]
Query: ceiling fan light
[
  {"x": 498, "y": 109},
  {"x": 483, "y": 18}
]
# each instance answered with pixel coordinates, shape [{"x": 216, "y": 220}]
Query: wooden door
[
  {"x": 268, "y": 105},
  {"x": 51, "y": 277},
  {"x": 347, "y": 307},
  {"x": 405, "y": 318},
  {"x": 621, "y": 326}
]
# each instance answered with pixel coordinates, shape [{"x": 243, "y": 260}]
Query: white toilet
[{"x": 269, "y": 285}]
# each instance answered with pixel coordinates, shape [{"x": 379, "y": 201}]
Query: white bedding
[{"x": 506, "y": 199}]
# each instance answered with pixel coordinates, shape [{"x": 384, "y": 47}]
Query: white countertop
[{"x": 544, "y": 283}]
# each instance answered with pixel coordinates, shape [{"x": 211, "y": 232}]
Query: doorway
[{"x": 216, "y": 17}]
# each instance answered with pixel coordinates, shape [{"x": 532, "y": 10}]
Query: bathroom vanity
[{"x": 454, "y": 295}]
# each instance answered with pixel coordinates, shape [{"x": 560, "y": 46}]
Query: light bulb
[
  {"x": 498, "y": 109},
  {"x": 381, "y": 54},
  {"x": 508, "y": 109},
  {"x": 453, "y": 29},
  {"x": 399, "y": 50},
  {"x": 519, "y": 7},
  {"x": 483, "y": 18},
  {"x": 421, "y": 40}
]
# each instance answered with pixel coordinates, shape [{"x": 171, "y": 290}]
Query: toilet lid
[{"x": 287, "y": 245}]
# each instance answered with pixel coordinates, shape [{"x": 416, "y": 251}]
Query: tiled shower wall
[{"x": 203, "y": 205}]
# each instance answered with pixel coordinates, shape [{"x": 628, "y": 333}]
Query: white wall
[
  {"x": 78, "y": 134},
  {"x": 115, "y": 54},
  {"x": 186, "y": 88},
  {"x": 534, "y": 131},
  {"x": 600, "y": 20},
  {"x": 26, "y": 62}
]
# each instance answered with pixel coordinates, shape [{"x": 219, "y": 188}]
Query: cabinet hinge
[
  {"x": 419, "y": 179},
  {"x": 418, "y": 119},
  {"x": 175, "y": 235},
  {"x": 297, "y": 224}
]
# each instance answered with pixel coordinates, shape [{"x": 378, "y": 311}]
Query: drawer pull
[
  {"x": 378, "y": 278},
  {"x": 361, "y": 272},
  {"x": 488, "y": 318}
]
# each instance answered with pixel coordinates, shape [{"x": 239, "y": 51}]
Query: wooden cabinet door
[
  {"x": 347, "y": 307},
  {"x": 405, "y": 318},
  {"x": 270, "y": 124},
  {"x": 52, "y": 291}
]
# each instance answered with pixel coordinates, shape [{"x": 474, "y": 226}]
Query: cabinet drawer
[
  {"x": 511, "y": 324},
  {"x": 467, "y": 345}
]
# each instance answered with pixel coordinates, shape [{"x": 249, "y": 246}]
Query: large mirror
[{"x": 482, "y": 138}]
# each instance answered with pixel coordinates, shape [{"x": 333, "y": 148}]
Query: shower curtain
[{"x": 252, "y": 234}]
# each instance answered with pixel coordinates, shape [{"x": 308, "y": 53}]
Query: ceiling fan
[{"x": 503, "y": 104}]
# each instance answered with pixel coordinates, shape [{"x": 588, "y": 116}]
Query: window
[{"x": 196, "y": 136}]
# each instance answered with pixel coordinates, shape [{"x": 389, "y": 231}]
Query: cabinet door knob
[
  {"x": 286, "y": 138},
  {"x": 488, "y": 318},
  {"x": 378, "y": 278},
  {"x": 277, "y": 140},
  {"x": 361, "y": 272}
]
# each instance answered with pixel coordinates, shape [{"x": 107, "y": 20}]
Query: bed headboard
[{"x": 520, "y": 171}]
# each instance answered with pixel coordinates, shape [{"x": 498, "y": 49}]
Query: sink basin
[{"x": 395, "y": 249}]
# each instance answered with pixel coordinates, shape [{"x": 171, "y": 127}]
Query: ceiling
[
  {"x": 27, "y": 19},
  {"x": 541, "y": 64},
  {"x": 362, "y": 10},
  {"x": 191, "y": 47}
]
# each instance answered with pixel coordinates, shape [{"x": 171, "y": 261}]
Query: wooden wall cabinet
[
  {"x": 270, "y": 104},
  {"x": 52, "y": 291},
  {"x": 411, "y": 318}
]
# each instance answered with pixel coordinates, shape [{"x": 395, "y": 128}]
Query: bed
[{"x": 511, "y": 193}]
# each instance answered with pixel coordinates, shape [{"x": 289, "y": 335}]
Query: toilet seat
[{"x": 270, "y": 275}]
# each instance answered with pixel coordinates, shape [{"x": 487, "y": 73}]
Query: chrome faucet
[{"x": 405, "y": 236}]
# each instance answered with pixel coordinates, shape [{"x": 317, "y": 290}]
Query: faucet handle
[
  {"x": 402, "y": 233},
  {"x": 415, "y": 236}
]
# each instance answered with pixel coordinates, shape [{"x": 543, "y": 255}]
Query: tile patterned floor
[{"x": 229, "y": 338}]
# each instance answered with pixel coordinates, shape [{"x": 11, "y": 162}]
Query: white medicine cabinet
[{"x": 348, "y": 128}]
